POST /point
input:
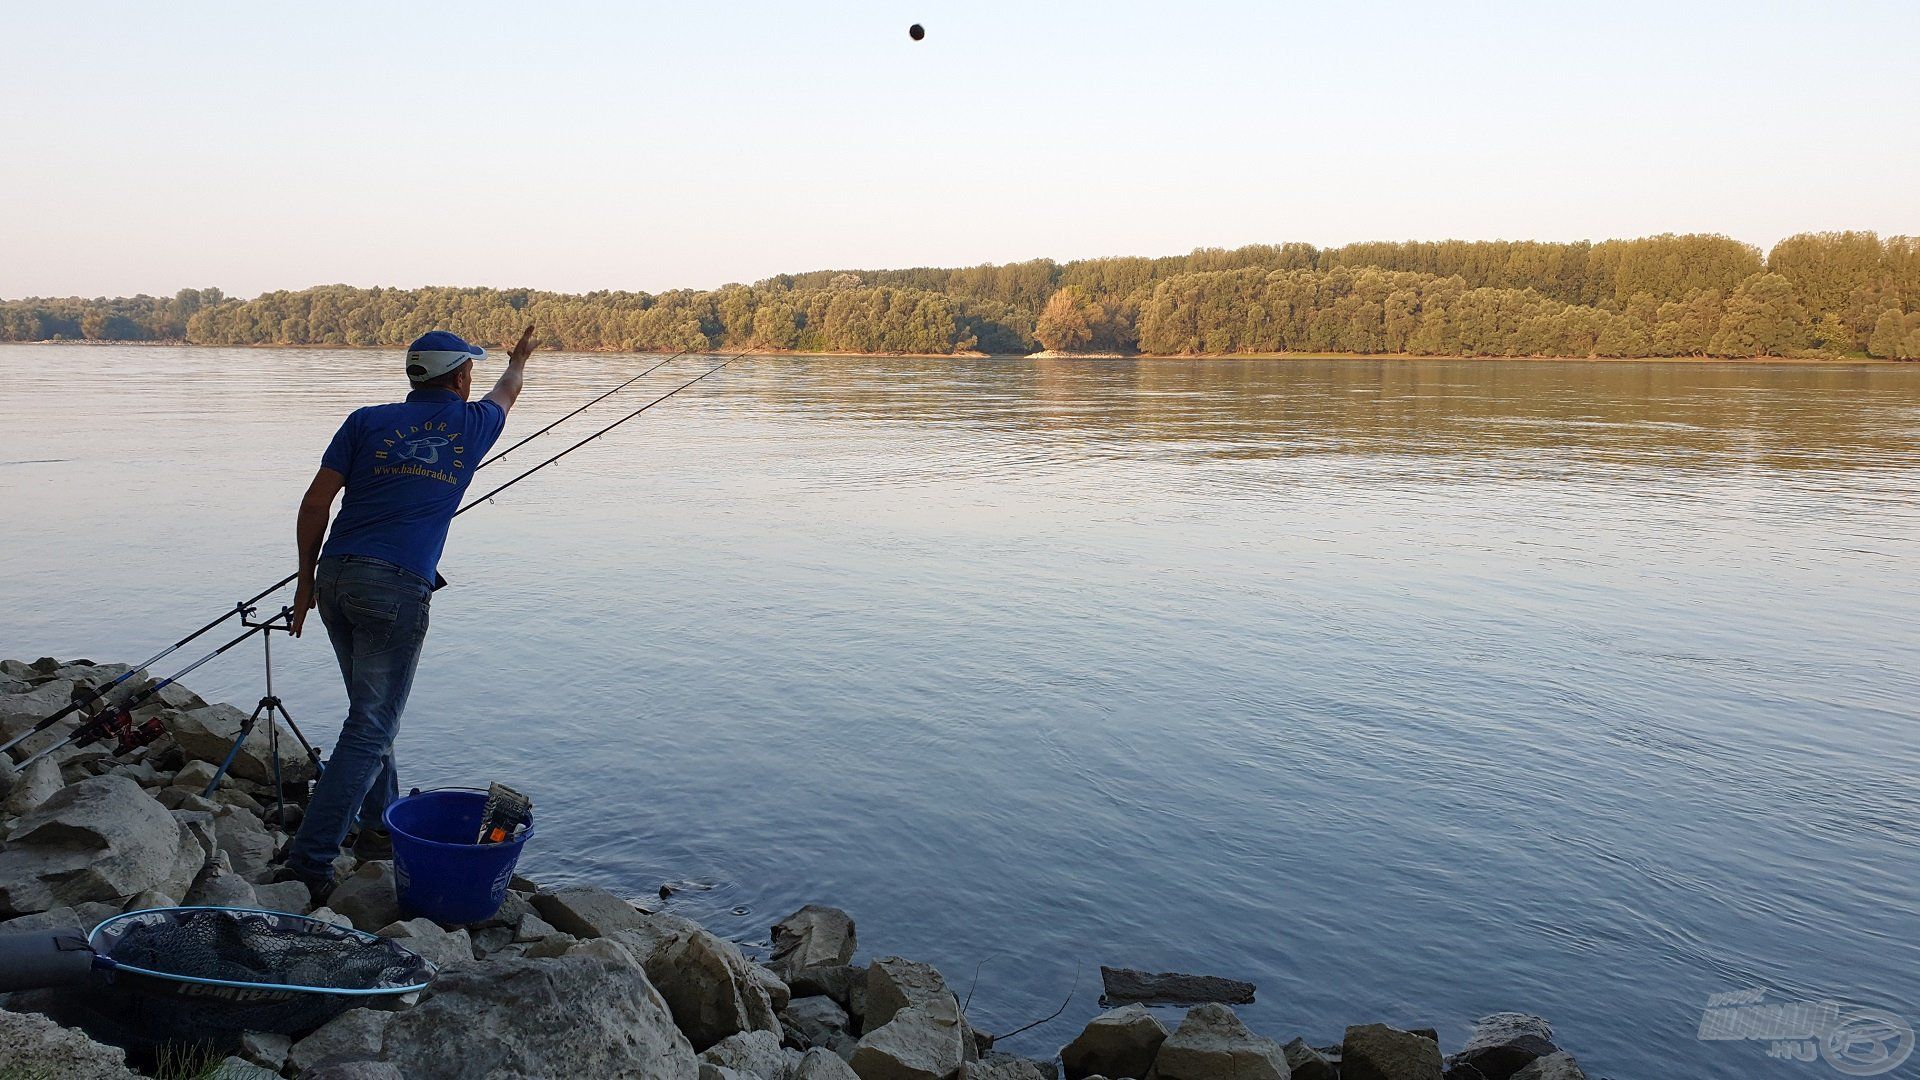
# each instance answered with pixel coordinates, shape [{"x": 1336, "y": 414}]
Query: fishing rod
[
  {"x": 137, "y": 699},
  {"x": 84, "y": 698},
  {"x": 93, "y": 727},
  {"x": 583, "y": 408},
  {"x": 488, "y": 497}
]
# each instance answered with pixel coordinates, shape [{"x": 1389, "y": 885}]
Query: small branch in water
[
  {"x": 976, "y": 982},
  {"x": 1056, "y": 1013}
]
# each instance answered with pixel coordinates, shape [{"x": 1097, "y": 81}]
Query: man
[{"x": 405, "y": 467}]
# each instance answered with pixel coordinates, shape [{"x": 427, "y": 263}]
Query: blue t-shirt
[{"x": 407, "y": 464}]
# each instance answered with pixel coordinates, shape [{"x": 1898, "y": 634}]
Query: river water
[{"x": 1408, "y": 691}]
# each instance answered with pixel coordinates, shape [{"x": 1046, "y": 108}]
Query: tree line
[{"x": 1831, "y": 294}]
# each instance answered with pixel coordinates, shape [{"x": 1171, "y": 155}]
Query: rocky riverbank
[{"x": 569, "y": 981}]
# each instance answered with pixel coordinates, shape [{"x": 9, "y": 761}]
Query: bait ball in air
[{"x": 916, "y": 31}]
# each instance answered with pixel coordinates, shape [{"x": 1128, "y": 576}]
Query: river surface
[{"x": 1409, "y": 691}]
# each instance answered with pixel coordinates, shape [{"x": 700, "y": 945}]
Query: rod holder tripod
[{"x": 271, "y": 707}]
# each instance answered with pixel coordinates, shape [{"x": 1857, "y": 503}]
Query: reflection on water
[{"x": 1409, "y": 691}]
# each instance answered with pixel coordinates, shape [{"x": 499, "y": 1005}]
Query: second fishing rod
[
  {"x": 139, "y": 698},
  {"x": 84, "y": 699}
]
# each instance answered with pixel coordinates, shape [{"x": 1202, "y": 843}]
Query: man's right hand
[{"x": 303, "y": 602}]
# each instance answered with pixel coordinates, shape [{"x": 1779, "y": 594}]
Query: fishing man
[{"x": 404, "y": 468}]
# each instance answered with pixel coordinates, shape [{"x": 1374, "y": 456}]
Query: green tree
[
  {"x": 1068, "y": 321},
  {"x": 1764, "y": 318}
]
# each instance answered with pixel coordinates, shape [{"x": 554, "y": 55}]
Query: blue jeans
[{"x": 376, "y": 617}]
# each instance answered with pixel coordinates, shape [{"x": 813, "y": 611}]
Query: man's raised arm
[{"x": 507, "y": 390}]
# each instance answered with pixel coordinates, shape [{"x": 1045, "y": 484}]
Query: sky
[{"x": 579, "y": 146}]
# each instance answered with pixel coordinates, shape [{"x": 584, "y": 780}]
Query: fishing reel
[{"x": 116, "y": 724}]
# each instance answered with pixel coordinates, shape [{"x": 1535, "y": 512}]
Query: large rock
[
  {"x": 817, "y": 1021},
  {"x": 590, "y": 1013},
  {"x": 918, "y": 1043},
  {"x": 207, "y": 734},
  {"x": 18, "y": 712},
  {"x": 1379, "y": 1052},
  {"x": 752, "y": 1053},
  {"x": 32, "y": 787},
  {"x": 818, "y": 1064},
  {"x": 218, "y": 886},
  {"x": 895, "y": 983},
  {"x": 367, "y": 896},
  {"x": 1212, "y": 1044},
  {"x": 100, "y": 839},
  {"x": 424, "y": 937},
  {"x": 707, "y": 982},
  {"x": 811, "y": 937},
  {"x": 1308, "y": 1063},
  {"x": 834, "y": 980},
  {"x": 289, "y": 896},
  {"x": 1504, "y": 1043},
  {"x": 1126, "y": 984},
  {"x": 1008, "y": 1067},
  {"x": 354, "y": 1035},
  {"x": 1118, "y": 1043},
  {"x": 1555, "y": 1066},
  {"x": 33, "y": 1047},
  {"x": 588, "y": 911}
]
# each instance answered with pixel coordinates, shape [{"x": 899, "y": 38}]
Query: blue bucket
[{"x": 440, "y": 872}]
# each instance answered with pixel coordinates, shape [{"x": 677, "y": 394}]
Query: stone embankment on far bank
[{"x": 569, "y": 981}]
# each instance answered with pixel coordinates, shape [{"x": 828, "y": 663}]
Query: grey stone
[
  {"x": 292, "y": 897},
  {"x": 710, "y": 1071},
  {"x": 33, "y": 786},
  {"x": 513, "y": 907},
  {"x": 218, "y": 886},
  {"x": 755, "y": 1053},
  {"x": 239, "y": 1068},
  {"x": 557, "y": 945},
  {"x": 1558, "y": 1065},
  {"x": 175, "y": 696},
  {"x": 834, "y": 980},
  {"x": 328, "y": 915},
  {"x": 1308, "y": 1063},
  {"x": 1379, "y": 1052},
  {"x": 1212, "y": 1044},
  {"x": 818, "y": 1064},
  {"x": 1008, "y": 1067},
  {"x": 207, "y": 734},
  {"x": 354, "y": 1035},
  {"x": 195, "y": 775},
  {"x": 1117, "y": 1043},
  {"x": 707, "y": 982},
  {"x": 895, "y": 983},
  {"x": 587, "y": 911},
  {"x": 491, "y": 939},
  {"x": 814, "y": 936},
  {"x": 817, "y": 1021},
  {"x": 1126, "y": 984},
  {"x": 533, "y": 928},
  {"x": 917, "y": 1043},
  {"x": 79, "y": 917},
  {"x": 354, "y": 1070},
  {"x": 264, "y": 1048},
  {"x": 424, "y": 937},
  {"x": 35, "y": 1048},
  {"x": 152, "y": 898},
  {"x": 101, "y": 839},
  {"x": 367, "y": 896},
  {"x": 1504, "y": 1043},
  {"x": 777, "y": 989},
  {"x": 590, "y": 1013}
]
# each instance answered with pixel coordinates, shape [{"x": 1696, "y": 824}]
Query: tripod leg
[
  {"x": 312, "y": 754},
  {"x": 246, "y": 729}
]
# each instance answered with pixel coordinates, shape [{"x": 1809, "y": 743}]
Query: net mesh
[
  {"x": 294, "y": 970},
  {"x": 260, "y": 947}
]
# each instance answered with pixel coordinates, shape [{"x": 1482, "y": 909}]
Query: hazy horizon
[{"x": 579, "y": 147}]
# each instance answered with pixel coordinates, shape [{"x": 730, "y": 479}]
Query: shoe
[
  {"x": 371, "y": 844},
  {"x": 319, "y": 889}
]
